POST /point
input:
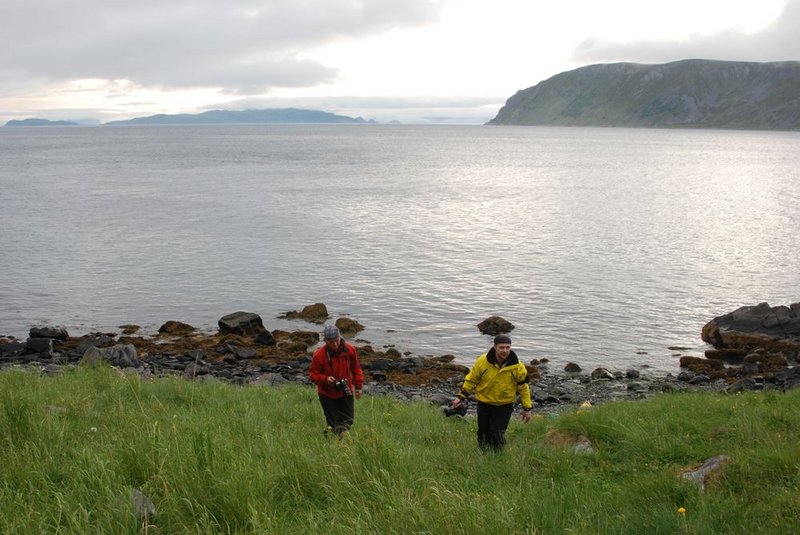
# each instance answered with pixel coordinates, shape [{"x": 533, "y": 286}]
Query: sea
[{"x": 602, "y": 246}]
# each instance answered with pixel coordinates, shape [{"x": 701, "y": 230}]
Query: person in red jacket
[{"x": 337, "y": 373}]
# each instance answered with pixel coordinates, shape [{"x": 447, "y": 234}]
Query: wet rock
[
  {"x": 349, "y": 327},
  {"x": 571, "y": 367},
  {"x": 602, "y": 373},
  {"x": 39, "y": 345},
  {"x": 776, "y": 329},
  {"x": 241, "y": 323},
  {"x": 494, "y": 325},
  {"x": 56, "y": 333},
  {"x": 175, "y": 327},
  {"x": 316, "y": 313},
  {"x": 265, "y": 338}
]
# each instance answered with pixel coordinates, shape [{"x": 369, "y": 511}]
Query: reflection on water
[{"x": 602, "y": 246}]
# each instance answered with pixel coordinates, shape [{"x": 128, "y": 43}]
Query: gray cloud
[
  {"x": 244, "y": 46},
  {"x": 776, "y": 42}
]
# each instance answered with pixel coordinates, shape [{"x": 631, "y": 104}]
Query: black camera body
[
  {"x": 341, "y": 384},
  {"x": 461, "y": 410}
]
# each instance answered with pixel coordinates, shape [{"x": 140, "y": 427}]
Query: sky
[{"x": 413, "y": 61}]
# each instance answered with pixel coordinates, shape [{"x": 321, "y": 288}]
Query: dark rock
[
  {"x": 175, "y": 327},
  {"x": 195, "y": 354},
  {"x": 241, "y": 323},
  {"x": 316, "y": 313},
  {"x": 602, "y": 373},
  {"x": 265, "y": 338},
  {"x": 225, "y": 349},
  {"x": 728, "y": 356},
  {"x": 392, "y": 353},
  {"x": 775, "y": 329},
  {"x": 123, "y": 356},
  {"x": 571, "y": 367},
  {"x": 39, "y": 345},
  {"x": 101, "y": 340},
  {"x": 741, "y": 385},
  {"x": 349, "y": 327},
  {"x": 10, "y": 350},
  {"x": 699, "y": 379},
  {"x": 494, "y": 325},
  {"x": 632, "y": 373},
  {"x": 56, "y": 333},
  {"x": 378, "y": 365},
  {"x": 194, "y": 369},
  {"x": 246, "y": 353}
]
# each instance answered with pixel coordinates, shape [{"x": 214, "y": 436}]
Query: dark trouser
[
  {"x": 339, "y": 412},
  {"x": 492, "y": 424}
]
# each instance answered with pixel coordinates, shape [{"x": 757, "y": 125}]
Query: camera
[
  {"x": 341, "y": 384},
  {"x": 461, "y": 410}
]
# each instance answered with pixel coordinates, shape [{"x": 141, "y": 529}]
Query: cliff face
[{"x": 685, "y": 94}]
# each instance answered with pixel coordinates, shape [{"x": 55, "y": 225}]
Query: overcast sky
[{"x": 410, "y": 60}]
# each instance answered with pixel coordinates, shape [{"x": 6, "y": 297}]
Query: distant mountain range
[
  {"x": 266, "y": 116},
  {"x": 39, "y": 122},
  {"x": 682, "y": 94}
]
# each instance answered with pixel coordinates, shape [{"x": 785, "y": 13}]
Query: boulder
[
  {"x": 39, "y": 345},
  {"x": 241, "y": 323},
  {"x": 316, "y": 313},
  {"x": 56, "y": 333},
  {"x": 775, "y": 329},
  {"x": 265, "y": 338},
  {"x": 494, "y": 325},
  {"x": 175, "y": 327},
  {"x": 121, "y": 355},
  {"x": 349, "y": 327}
]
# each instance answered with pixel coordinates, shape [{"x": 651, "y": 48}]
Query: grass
[{"x": 216, "y": 458}]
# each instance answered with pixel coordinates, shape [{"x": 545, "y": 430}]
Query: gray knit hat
[{"x": 331, "y": 332}]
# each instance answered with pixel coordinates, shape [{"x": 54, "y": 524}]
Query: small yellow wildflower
[{"x": 681, "y": 510}]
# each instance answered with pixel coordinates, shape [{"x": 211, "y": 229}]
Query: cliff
[{"x": 683, "y": 94}]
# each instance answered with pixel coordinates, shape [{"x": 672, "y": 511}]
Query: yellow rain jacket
[{"x": 497, "y": 384}]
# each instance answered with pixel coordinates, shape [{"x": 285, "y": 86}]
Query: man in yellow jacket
[{"x": 496, "y": 378}]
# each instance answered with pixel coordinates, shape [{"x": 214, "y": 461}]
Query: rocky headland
[{"x": 754, "y": 348}]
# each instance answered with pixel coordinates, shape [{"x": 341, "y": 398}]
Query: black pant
[
  {"x": 492, "y": 424},
  {"x": 339, "y": 412}
]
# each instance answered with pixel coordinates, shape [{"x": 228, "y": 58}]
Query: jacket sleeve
[
  {"x": 472, "y": 379},
  {"x": 523, "y": 388},
  {"x": 316, "y": 372},
  {"x": 355, "y": 370}
]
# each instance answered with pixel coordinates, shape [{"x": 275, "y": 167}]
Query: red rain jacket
[{"x": 341, "y": 364}]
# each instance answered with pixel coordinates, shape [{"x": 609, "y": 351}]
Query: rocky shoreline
[{"x": 755, "y": 348}]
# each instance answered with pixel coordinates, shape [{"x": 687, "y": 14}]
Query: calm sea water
[{"x": 603, "y": 246}]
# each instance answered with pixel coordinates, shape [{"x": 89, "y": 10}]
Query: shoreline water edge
[{"x": 755, "y": 348}]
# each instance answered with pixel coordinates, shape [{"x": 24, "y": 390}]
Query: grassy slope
[{"x": 215, "y": 458}]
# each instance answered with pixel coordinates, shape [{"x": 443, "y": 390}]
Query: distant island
[
  {"x": 683, "y": 94},
  {"x": 265, "y": 116},
  {"x": 39, "y": 122}
]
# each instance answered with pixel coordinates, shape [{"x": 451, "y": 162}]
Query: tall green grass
[{"x": 215, "y": 458}]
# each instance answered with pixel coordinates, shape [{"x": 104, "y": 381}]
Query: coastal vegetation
[
  {"x": 682, "y": 94},
  {"x": 94, "y": 450}
]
